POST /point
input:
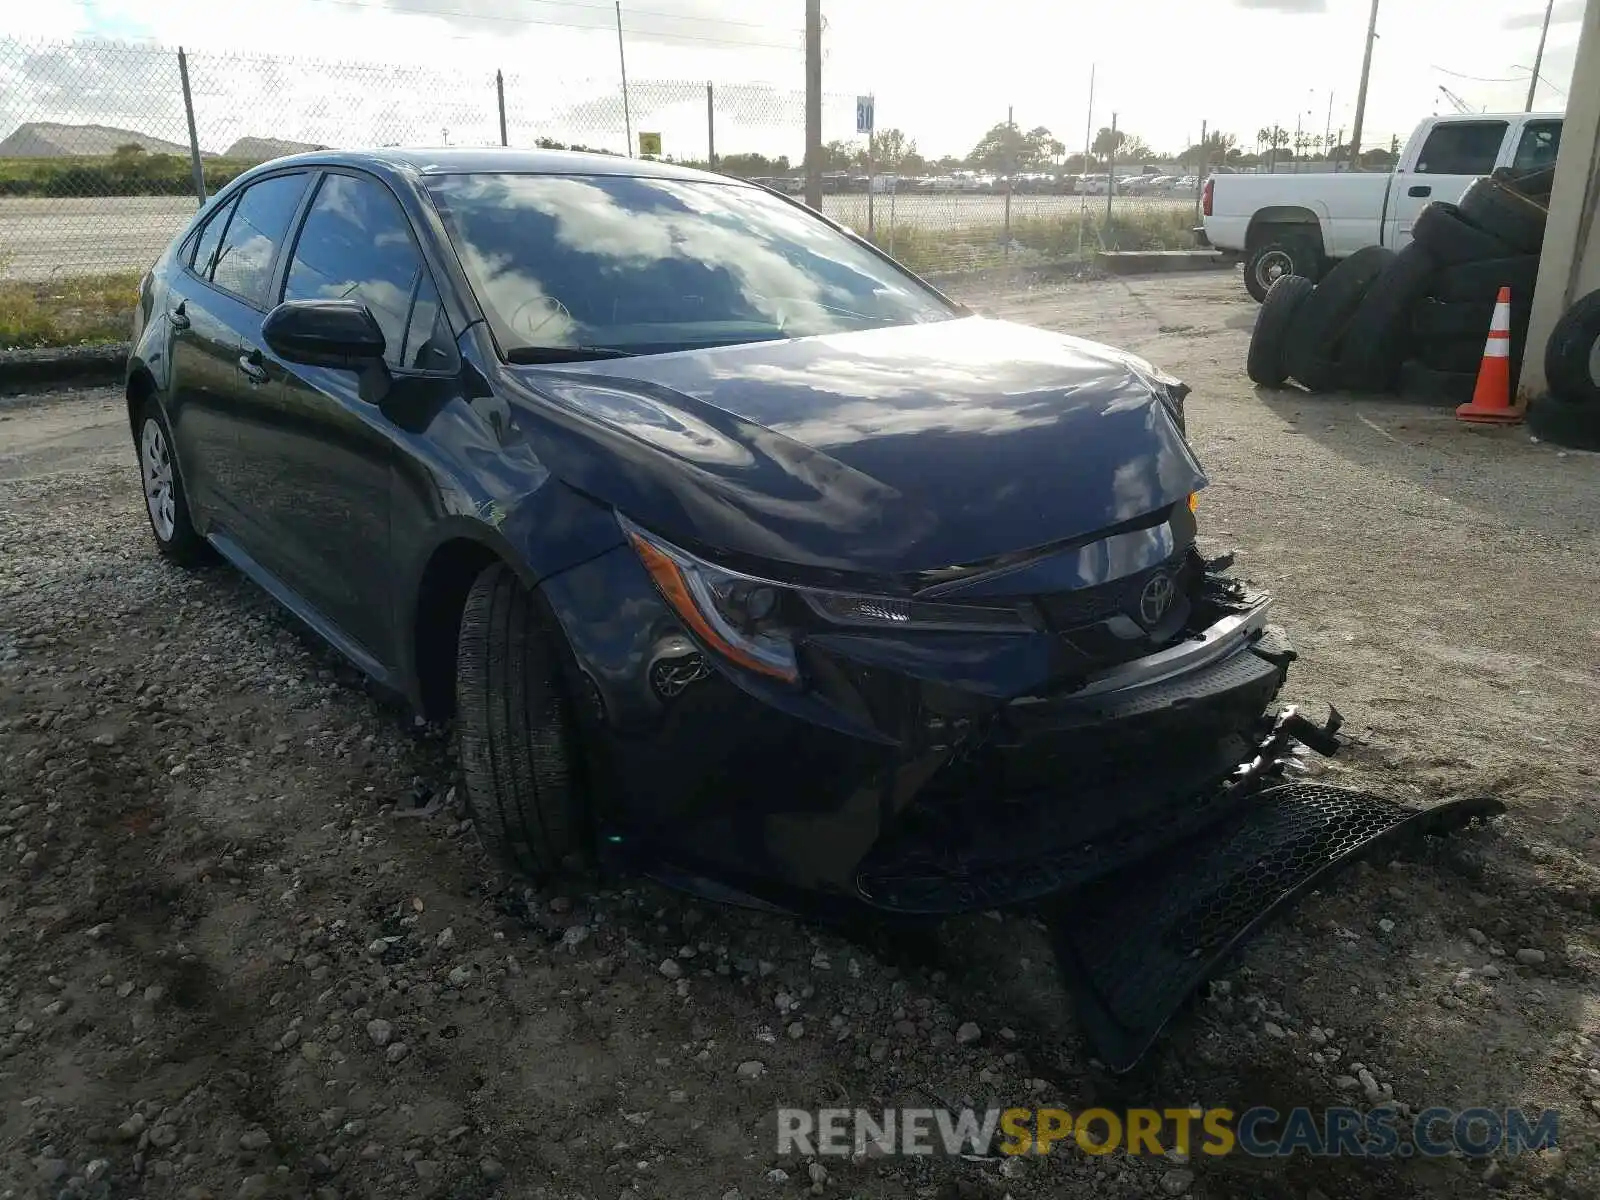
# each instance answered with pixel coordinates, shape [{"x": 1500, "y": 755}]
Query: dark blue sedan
[{"x": 734, "y": 551}]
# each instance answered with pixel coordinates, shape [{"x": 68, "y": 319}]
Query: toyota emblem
[{"x": 1156, "y": 598}]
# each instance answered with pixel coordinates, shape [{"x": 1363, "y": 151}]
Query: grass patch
[
  {"x": 112, "y": 175},
  {"x": 1035, "y": 241},
  {"x": 69, "y": 311}
]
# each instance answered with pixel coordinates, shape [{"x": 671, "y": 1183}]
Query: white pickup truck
[{"x": 1281, "y": 224}]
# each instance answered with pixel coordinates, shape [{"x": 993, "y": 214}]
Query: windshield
[{"x": 619, "y": 264}]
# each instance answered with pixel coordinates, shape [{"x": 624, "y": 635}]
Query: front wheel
[
  {"x": 517, "y": 737},
  {"x": 165, "y": 502},
  {"x": 1272, "y": 260}
]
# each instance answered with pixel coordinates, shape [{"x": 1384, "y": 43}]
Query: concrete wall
[{"x": 1569, "y": 265}]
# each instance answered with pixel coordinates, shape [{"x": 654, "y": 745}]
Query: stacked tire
[
  {"x": 1416, "y": 319},
  {"x": 1569, "y": 413}
]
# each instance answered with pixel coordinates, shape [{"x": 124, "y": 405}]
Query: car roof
[{"x": 464, "y": 160}]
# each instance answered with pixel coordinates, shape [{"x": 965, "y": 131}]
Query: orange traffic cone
[{"x": 1491, "y": 398}]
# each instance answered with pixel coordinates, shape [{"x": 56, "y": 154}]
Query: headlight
[{"x": 753, "y": 622}]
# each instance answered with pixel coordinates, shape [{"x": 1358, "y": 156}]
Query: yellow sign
[{"x": 650, "y": 143}]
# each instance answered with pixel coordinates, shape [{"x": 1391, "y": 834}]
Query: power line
[
  {"x": 473, "y": 16},
  {"x": 1473, "y": 78}
]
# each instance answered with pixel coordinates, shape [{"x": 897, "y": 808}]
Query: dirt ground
[{"x": 230, "y": 966}]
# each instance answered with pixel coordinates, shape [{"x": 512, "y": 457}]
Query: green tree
[
  {"x": 843, "y": 156},
  {"x": 1006, "y": 148},
  {"x": 747, "y": 165},
  {"x": 892, "y": 149},
  {"x": 1135, "y": 149},
  {"x": 1218, "y": 147},
  {"x": 1107, "y": 141}
]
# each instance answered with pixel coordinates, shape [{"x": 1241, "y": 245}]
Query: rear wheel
[
  {"x": 517, "y": 737},
  {"x": 165, "y": 502},
  {"x": 1273, "y": 259}
]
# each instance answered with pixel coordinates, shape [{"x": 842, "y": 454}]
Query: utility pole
[
  {"x": 1327, "y": 131},
  {"x": 1088, "y": 125},
  {"x": 711, "y": 126},
  {"x": 1361, "y": 92},
  {"x": 1538, "y": 59},
  {"x": 814, "y": 104},
  {"x": 622, "y": 61},
  {"x": 1111, "y": 172}
]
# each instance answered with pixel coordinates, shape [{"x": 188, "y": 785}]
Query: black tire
[
  {"x": 1311, "y": 351},
  {"x": 1532, "y": 183},
  {"x": 174, "y": 531},
  {"x": 1424, "y": 385},
  {"x": 1568, "y": 355},
  {"x": 1379, "y": 334},
  {"x": 1459, "y": 320},
  {"x": 1265, "y": 364},
  {"x": 1452, "y": 239},
  {"x": 1485, "y": 278},
  {"x": 1457, "y": 357},
  {"x": 1555, "y": 419},
  {"x": 1290, "y": 254},
  {"x": 1505, "y": 212},
  {"x": 517, "y": 736}
]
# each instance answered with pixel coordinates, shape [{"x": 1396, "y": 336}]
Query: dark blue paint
[{"x": 983, "y": 458}]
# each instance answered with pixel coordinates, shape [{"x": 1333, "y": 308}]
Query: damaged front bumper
[
  {"x": 913, "y": 776},
  {"x": 1135, "y": 809}
]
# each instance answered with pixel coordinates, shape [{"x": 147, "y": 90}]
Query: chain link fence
[{"x": 96, "y": 171}]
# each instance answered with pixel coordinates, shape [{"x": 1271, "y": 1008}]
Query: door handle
[
  {"x": 180, "y": 315},
  {"x": 1420, "y": 190},
  {"x": 253, "y": 368}
]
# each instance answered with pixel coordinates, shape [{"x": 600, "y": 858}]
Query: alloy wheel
[{"x": 156, "y": 463}]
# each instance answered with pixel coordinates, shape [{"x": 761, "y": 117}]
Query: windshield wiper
[{"x": 529, "y": 355}]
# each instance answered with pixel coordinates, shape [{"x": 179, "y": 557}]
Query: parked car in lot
[
  {"x": 1289, "y": 224},
  {"x": 729, "y": 546}
]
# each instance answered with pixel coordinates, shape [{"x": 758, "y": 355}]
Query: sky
[{"x": 942, "y": 70}]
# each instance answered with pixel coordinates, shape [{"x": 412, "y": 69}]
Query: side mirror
[{"x": 324, "y": 333}]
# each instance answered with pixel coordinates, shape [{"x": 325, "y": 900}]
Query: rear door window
[
  {"x": 1538, "y": 145},
  {"x": 356, "y": 245},
  {"x": 203, "y": 251},
  {"x": 1462, "y": 148},
  {"x": 249, "y": 248}
]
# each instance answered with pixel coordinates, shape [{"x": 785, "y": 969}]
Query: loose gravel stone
[
  {"x": 380, "y": 1031},
  {"x": 753, "y": 1069},
  {"x": 1176, "y": 1183},
  {"x": 1530, "y": 957},
  {"x": 670, "y": 968},
  {"x": 396, "y": 1052},
  {"x": 254, "y": 1139},
  {"x": 968, "y": 1033}
]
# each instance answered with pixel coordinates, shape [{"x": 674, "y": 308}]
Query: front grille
[{"x": 1086, "y": 606}]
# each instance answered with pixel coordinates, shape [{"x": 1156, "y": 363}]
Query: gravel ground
[{"x": 249, "y": 947}]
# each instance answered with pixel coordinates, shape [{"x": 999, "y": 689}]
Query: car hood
[{"x": 904, "y": 450}]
